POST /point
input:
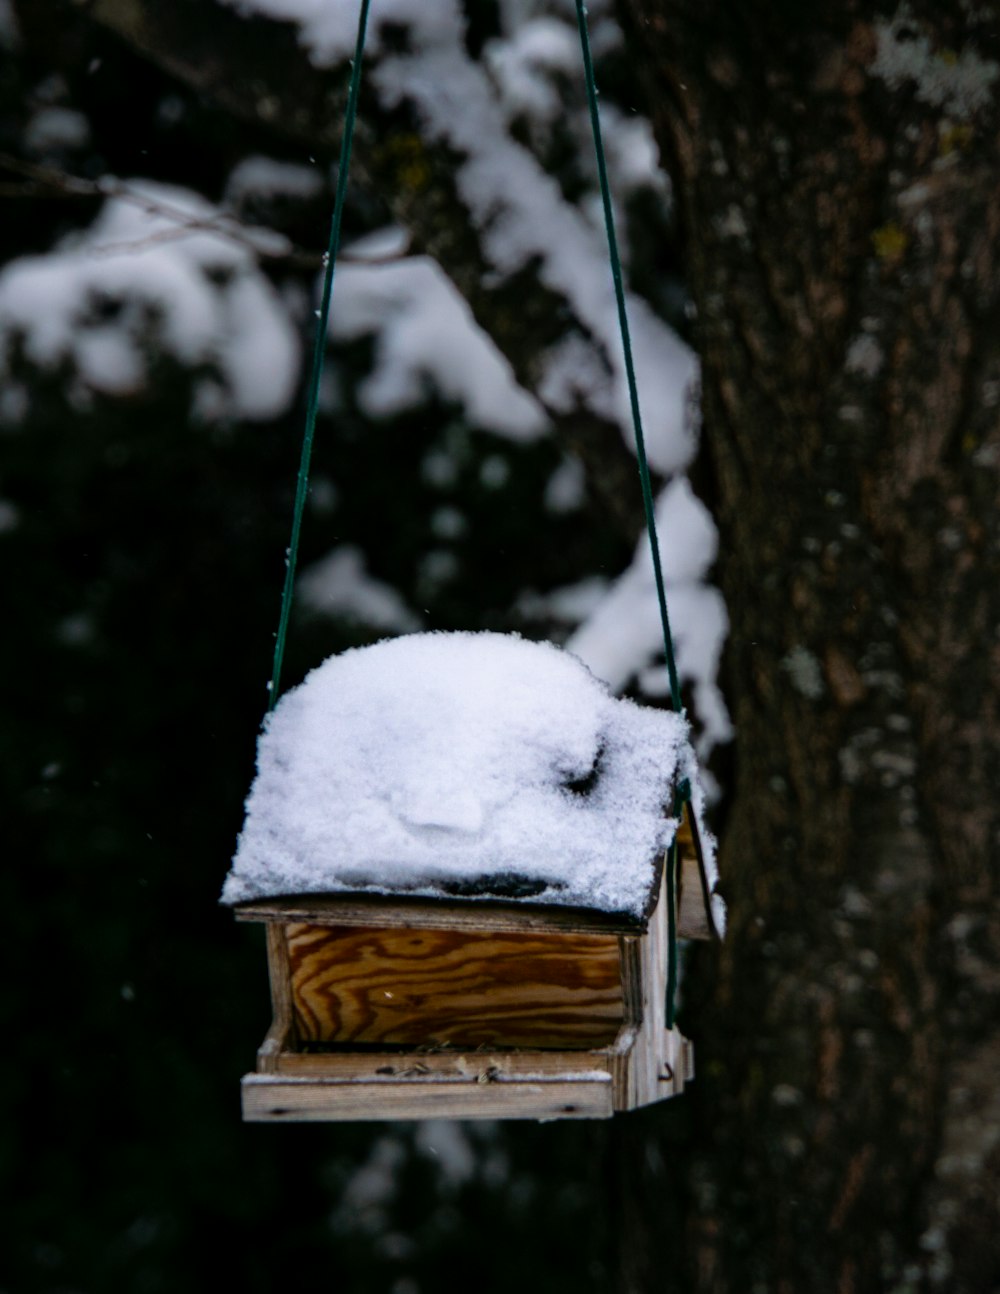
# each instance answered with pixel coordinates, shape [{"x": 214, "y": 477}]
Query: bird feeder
[{"x": 458, "y": 846}]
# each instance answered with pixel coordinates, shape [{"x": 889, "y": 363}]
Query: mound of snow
[{"x": 461, "y": 765}]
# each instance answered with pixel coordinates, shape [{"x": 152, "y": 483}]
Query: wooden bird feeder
[
  {"x": 510, "y": 973},
  {"x": 528, "y": 987},
  {"x": 402, "y": 1009}
]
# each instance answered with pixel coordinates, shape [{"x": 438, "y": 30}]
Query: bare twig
[{"x": 266, "y": 244}]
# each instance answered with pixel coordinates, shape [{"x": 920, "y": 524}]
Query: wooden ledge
[
  {"x": 353, "y": 1087},
  {"x": 434, "y": 914},
  {"x": 276, "y": 1098}
]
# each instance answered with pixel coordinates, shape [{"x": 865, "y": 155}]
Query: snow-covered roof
[{"x": 463, "y": 765}]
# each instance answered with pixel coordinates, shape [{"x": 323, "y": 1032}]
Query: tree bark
[{"x": 840, "y": 183}]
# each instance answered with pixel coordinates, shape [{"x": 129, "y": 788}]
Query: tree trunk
[{"x": 840, "y": 186}]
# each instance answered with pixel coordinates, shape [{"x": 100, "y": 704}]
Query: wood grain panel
[{"x": 451, "y": 987}]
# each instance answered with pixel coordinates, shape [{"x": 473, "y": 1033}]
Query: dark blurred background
[{"x": 142, "y": 554}]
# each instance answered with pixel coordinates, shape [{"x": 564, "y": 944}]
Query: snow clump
[
  {"x": 462, "y": 765},
  {"x": 159, "y": 269}
]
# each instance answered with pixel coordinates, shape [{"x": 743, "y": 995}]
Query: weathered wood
[
  {"x": 441, "y": 987},
  {"x": 434, "y": 914},
  {"x": 270, "y": 1051},
  {"x": 288, "y": 1100},
  {"x": 537, "y": 1020},
  {"x": 279, "y": 978},
  {"x": 631, "y": 973},
  {"x": 475, "y": 1066},
  {"x": 660, "y": 1059},
  {"x": 330, "y": 982},
  {"x": 694, "y": 916}
]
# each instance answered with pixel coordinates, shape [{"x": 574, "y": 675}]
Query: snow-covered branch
[
  {"x": 496, "y": 293},
  {"x": 435, "y": 143}
]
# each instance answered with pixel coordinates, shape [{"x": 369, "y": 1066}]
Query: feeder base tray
[{"x": 298, "y": 1087}]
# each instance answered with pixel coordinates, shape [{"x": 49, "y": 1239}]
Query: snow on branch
[
  {"x": 621, "y": 636},
  {"x": 426, "y": 333},
  {"x": 463, "y": 146},
  {"x": 517, "y": 210},
  {"x": 155, "y": 267}
]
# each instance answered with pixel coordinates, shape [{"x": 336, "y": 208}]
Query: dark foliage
[{"x": 141, "y": 594}]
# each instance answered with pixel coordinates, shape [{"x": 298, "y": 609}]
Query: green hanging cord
[
  {"x": 683, "y": 795},
  {"x": 616, "y": 272},
  {"x": 671, "y": 866},
  {"x": 319, "y": 351}
]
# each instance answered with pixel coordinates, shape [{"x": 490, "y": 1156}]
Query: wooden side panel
[
  {"x": 694, "y": 920},
  {"x": 273, "y": 1099},
  {"x": 277, "y": 972},
  {"x": 452, "y": 987},
  {"x": 660, "y": 1060},
  {"x": 630, "y": 951}
]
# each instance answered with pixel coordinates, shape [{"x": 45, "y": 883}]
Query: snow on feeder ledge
[{"x": 457, "y": 842}]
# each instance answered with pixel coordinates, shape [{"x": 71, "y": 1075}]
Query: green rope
[
  {"x": 683, "y": 791},
  {"x": 312, "y": 405},
  {"x": 319, "y": 352},
  {"x": 671, "y": 865},
  {"x": 616, "y": 272}
]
